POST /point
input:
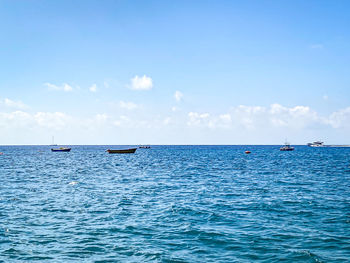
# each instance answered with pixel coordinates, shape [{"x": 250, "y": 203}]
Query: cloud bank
[{"x": 240, "y": 124}]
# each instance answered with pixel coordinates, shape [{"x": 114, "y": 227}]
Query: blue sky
[{"x": 180, "y": 72}]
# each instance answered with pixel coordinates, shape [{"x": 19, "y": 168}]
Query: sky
[{"x": 174, "y": 72}]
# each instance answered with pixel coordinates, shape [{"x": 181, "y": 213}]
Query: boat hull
[
  {"x": 287, "y": 149},
  {"x": 61, "y": 150},
  {"x": 132, "y": 150}
]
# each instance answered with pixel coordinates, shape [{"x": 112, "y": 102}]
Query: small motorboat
[
  {"x": 131, "y": 150},
  {"x": 247, "y": 152},
  {"x": 144, "y": 147},
  {"x": 287, "y": 147},
  {"x": 61, "y": 149}
]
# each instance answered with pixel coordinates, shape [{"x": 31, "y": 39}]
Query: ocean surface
[{"x": 175, "y": 204}]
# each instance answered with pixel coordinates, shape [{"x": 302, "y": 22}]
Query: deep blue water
[{"x": 175, "y": 204}]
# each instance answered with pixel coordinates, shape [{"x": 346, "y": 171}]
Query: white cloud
[
  {"x": 97, "y": 122},
  {"x": 141, "y": 83},
  {"x": 340, "y": 118},
  {"x": 15, "y": 119},
  {"x": 65, "y": 87},
  {"x": 13, "y": 104},
  {"x": 122, "y": 121},
  {"x": 253, "y": 117},
  {"x": 51, "y": 86},
  {"x": 254, "y": 124},
  {"x": 52, "y": 120},
  {"x": 226, "y": 118},
  {"x": 209, "y": 120},
  {"x": 248, "y": 116},
  {"x": 178, "y": 96},
  {"x": 93, "y": 88},
  {"x": 195, "y": 118},
  {"x": 256, "y": 118},
  {"x": 128, "y": 105},
  {"x": 296, "y": 117}
]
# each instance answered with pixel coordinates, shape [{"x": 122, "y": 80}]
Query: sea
[{"x": 175, "y": 204}]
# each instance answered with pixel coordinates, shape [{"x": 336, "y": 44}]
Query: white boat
[
  {"x": 320, "y": 144},
  {"x": 316, "y": 144}
]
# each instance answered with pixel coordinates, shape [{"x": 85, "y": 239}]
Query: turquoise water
[{"x": 175, "y": 204}]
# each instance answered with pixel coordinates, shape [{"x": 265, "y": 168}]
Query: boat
[
  {"x": 144, "y": 147},
  {"x": 131, "y": 150},
  {"x": 316, "y": 144},
  {"x": 61, "y": 149},
  {"x": 287, "y": 147},
  {"x": 320, "y": 144},
  {"x": 247, "y": 152}
]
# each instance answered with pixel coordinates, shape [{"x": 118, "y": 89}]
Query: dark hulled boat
[
  {"x": 61, "y": 149},
  {"x": 132, "y": 150},
  {"x": 287, "y": 147},
  {"x": 144, "y": 147}
]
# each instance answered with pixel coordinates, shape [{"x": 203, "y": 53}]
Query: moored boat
[
  {"x": 61, "y": 149},
  {"x": 144, "y": 147},
  {"x": 319, "y": 144},
  {"x": 287, "y": 147},
  {"x": 131, "y": 150},
  {"x": 316, "y": 144}
]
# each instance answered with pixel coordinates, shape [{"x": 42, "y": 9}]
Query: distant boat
[
  {"x": 316, "y": 144},
  {"x": 61, "y": 149},
  {"x": 132, "y": 150},
  {"x": 320, "y": 144},
  {"x": 144, "y": 147},
  {"x": 287, "y": 147}
]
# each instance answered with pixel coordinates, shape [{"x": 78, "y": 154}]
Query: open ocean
[{"x": 175, "y": 204}]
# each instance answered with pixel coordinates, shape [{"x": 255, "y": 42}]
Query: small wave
[{"x": 306, "y": 254}]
